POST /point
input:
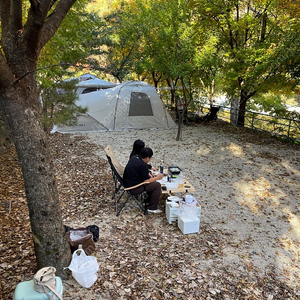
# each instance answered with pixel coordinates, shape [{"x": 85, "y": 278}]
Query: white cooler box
[
  {"x": 188, "y": 224},
  {"x": 173, "y": 211}
]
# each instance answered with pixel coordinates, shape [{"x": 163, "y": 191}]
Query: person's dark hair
[
  {"x": 146, "y": 152},
  {"x": 138, "y": 145}
]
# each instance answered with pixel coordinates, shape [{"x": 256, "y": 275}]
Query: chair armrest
[{"x": 135, "y": 186}]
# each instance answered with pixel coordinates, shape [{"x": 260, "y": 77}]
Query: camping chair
[
  {"x": 109, "y": 152},
  {"x": 212, "y": 114},
  {"x": 117, "y": 165},
  {"x": 120, "y": 187}
]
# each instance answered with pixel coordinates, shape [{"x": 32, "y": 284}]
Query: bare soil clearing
[{"x": 248, "y": 246}]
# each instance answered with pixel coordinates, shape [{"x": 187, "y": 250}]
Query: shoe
[{"x": 155, "y": 211}]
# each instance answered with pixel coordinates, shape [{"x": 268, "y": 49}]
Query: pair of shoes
[{"x": 155, "y": 211}]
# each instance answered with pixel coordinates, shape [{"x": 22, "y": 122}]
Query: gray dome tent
[{"x": 130, "y": 105}]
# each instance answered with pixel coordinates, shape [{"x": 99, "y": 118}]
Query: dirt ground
[{"x": 246, "y": 182}]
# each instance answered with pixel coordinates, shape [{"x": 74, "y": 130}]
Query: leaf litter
[{"x": 248, "y": 243}]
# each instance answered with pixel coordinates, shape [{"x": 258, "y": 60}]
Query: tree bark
[
  {"x": 51, "y": 247},
  {"x": 234, "y": 111},
  {"x": 242, "y": 109},
  {"x": 20, "y": 107},
  {"x": 245, "y": 95}
]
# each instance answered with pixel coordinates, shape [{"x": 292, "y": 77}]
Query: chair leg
[
  {"x": 138, "y": 199},
  {"x": 139, "y": 202},
  {"x": 145, "y": 209},
  {"x": 122, "y": 206},
  {"x": 144, "y": 197}
]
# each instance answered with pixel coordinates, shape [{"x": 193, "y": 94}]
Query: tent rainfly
[
  {"x": 129, "y": 105},
  {"x": 92, "y": 85}
]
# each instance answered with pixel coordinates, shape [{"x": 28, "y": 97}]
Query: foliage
[
  {"x": 58, "y": 104},
  {"x": 76, "y": 28},
  {"x": 248, "y": 49},
  {"x": 72, "y": 38},
  {"x": 150, "y": 39}
]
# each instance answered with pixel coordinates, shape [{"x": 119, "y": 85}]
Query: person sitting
[
  {"x": 136, "y": 172},
  {"x": 138, "y": 145}
]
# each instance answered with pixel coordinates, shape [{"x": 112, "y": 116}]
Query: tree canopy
[{"x": 239, "y": 48}]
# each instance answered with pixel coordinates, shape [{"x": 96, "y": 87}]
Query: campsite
[
  {"x": 129, "y": 105},
  {"x": 248, "y": 243},
  {"x": 55, "y": 175}
]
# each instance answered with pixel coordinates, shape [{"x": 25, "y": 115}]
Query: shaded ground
[{"x": 248, "y": 245}]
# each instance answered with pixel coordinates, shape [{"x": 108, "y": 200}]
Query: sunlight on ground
[
  {"x": 255, "y": 194},
  {"x": 235, "y": 149},
  {"x": 291, "y": 243},
  {"x": 203, "y": 151},
  {"x": 288, "y": 255},
  {"x": 294, "y": 221},
  {"x": 287, "y": 166}
]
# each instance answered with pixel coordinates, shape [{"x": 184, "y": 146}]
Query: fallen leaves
[{"x": 140, "y": 257}]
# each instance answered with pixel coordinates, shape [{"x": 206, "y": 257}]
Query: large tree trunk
[
  {"x": 22, "y": 118},
  {"x": 245, "y": 96},
  {"x": 242, "y": 109},
  {"x": 21, "y": 45},
  {"x": 234, "y": 111},
  {"x": 238, "y": 108}
]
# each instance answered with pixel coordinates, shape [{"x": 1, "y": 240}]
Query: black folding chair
[
  {"x": 212, "y": 114},
  {"x": 122, "y": 194}
]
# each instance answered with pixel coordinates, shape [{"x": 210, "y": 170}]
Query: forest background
[
  {"x": 248, "y": 50},
  {"x": 245, "y": 50}
]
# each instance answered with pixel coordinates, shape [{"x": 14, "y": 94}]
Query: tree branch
[
  {"x": 7, "y": 77},
  {"x": 34, "y": 4},
  {"x": 54, "y": 21},
  {"x": 44, "y": 68},
  {"x": 37, "y": 15},
  {"x": 4, "y": 8},
  {"x": 15, "y": 22}
]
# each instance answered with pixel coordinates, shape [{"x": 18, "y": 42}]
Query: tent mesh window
[
  {"x": 140, "y": 105},
  {"x": 89, "y": 90}
]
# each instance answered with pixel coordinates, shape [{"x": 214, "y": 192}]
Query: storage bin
[
  {"x": 25, "y": 291},
  {"x": 188, "y": 224},
  {"x": 172, "y": 211}
]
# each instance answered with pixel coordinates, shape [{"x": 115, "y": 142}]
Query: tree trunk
[
  {"x": 19, "y": 103},
  {"x": 20, "y": 108},
  {"x": 5, "y": 140},
  {"x": 234, "y": 111},
  {"x": 172, "y": 85},
  {"x": 245, "y": 95},
  {"x": 179, "y": 128},
  {"x": 240, "y": 106},
  {"x": 156, "y": 78},
  {"x": 242, "y": 109}
]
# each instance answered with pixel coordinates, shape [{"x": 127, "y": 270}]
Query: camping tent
[
  {"x": 94, "y": 84},
  {"x": 130, "y": 105},
  {"x": 86, "y": 76}
]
